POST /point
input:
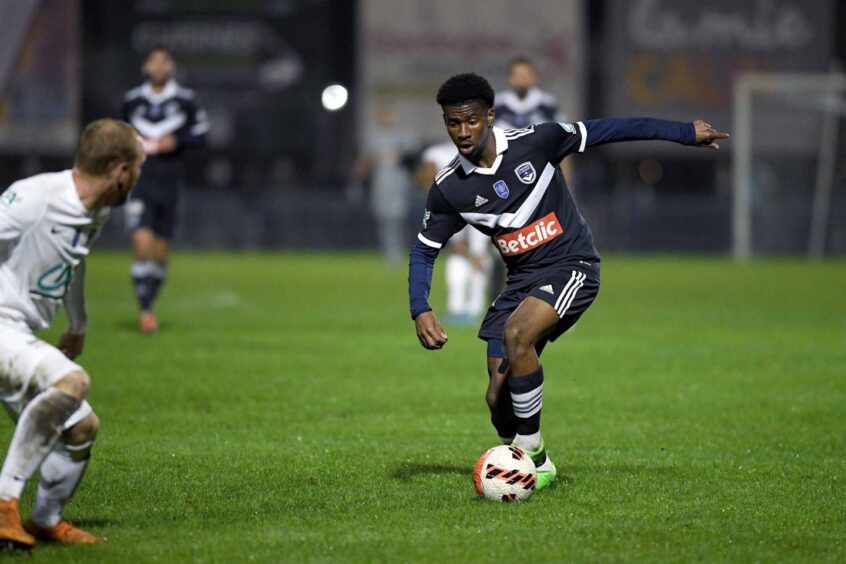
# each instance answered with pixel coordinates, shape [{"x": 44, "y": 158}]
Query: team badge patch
[
  {"x": 501, "y": 189},
  {"x": 526, "y": 172},
  {"x": 568, "y": 127},
  {"x": 426, "y": 217}
]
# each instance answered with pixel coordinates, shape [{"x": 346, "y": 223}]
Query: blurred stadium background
[{"x": 276, "y": 172}]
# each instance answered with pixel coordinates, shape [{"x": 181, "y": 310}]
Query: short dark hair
[
  {"x": 466, "y": 87},
  {"x": 157, "y": 48},
  {"x": 520, "y": 60}
]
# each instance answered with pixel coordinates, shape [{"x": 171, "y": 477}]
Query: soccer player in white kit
[{"x": 47, "y": 225}]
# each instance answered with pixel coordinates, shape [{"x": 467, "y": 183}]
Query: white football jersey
[{"x": 45, "y": 234}]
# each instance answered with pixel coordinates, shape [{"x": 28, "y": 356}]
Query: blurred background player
[
  {"x": 469, "y": 261},
  {"x": 520, "y": 105},
  {"x": 48, "y": 223},
  {"x": 523, "y": 103},
  {"x": 169, "y": 121},
  {"x": 384, "y": 162}
]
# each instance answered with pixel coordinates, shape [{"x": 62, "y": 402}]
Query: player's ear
[{"x": 491, "y": 114}]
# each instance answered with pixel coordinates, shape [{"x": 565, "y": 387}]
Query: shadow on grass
[{"x": 408, "y": 470}]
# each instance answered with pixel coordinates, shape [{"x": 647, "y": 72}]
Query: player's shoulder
[
  {"x": 505, "y": 99},
  {"x": 134, "y": 94},
  {"x": 448, "y": 171},
  {"x": 547, "y": 98},
  {"x": 513, "y": 134},
  {"x": 183, "y": 92},
  {"x": 29, "y": 197}
]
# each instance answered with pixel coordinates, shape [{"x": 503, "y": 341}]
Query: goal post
[{"x": 786, "y": 116}]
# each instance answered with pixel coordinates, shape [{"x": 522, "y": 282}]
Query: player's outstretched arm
[
  {"x": 616, "y": 130},
  {"x": 707, "y": 135}
]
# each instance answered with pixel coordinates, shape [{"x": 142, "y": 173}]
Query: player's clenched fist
[{"x": 429, "y": 331}]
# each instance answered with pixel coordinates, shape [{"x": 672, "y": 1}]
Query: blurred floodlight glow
[{"x": 334, "y": 97}]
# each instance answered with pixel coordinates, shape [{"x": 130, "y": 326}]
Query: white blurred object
[{"x": 334, "y": 97}]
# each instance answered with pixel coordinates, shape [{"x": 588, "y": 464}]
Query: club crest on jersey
[
  {"x": 526, "y": 172},
  {"x": 426, "y": 217},
  {"x": 501, "y": 189}
]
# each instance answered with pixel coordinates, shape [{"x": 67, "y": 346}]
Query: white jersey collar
[
  {"x": 168, "y": 91},
  {"x": 501, "y": 147}
]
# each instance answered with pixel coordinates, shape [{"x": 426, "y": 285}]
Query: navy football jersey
[
  {"x": 536, "y": 107},
  {"x": 521, "y": 202},
  {"x": 170, "y": 111}
]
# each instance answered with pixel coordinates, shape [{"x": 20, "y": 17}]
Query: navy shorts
[
  {"x": 569, "y": 290},
  {"x": 154, "y": 205}
]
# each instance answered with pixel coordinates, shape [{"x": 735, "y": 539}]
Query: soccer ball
[{"x": 505, "y": 473}]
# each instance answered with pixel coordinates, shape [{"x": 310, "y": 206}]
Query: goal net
[{"x": 789, "y": 165}]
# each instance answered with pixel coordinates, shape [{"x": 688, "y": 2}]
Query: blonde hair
[{"x": 105, "y": 143}]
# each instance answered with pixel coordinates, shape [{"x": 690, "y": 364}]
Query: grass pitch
[{"x": 287, "y": 413}]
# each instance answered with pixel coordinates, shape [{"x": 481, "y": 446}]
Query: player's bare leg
[
  {"x": 149, "y": 270},
  {"x": 61, "y": 473},
  {"x": 499, "y": 400},
  {"x": 39, "y": 427},
  {"x": 530, "y": 322}
]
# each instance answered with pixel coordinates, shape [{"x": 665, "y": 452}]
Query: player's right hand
[
  {"x": 429, "y": 331},
  {"x": 71, "y": 344}
]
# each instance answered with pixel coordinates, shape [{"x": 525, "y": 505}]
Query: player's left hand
[
  {"x": 71, "y": 344},
  {"x": 705, "y": 134}
]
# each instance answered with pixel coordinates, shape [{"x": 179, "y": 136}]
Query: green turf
[{"x": 287, "y": 412}]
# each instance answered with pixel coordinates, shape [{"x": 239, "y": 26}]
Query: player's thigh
[
  {"x": 533, "y": 319},
  {"x": 166, "y": 217},
  {"x": 579, "y": 292},
  {"x": 28, "y": 366}
]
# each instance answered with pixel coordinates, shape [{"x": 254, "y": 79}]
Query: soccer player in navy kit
[
  {"x": 169, "y": 121},
  {"x": 508, "y": 184}
]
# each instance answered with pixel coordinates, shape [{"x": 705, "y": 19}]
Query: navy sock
[
  {"x": 147, "y": 278},
  {"x": 527, "y": 399}
]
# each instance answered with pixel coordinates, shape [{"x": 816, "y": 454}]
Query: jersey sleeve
[
  {"x": 440, "y": 220},
  {"x": 193, "y": 133},
  {"x": 561, "y": 139},
  {"x": 19, "y": 210}
]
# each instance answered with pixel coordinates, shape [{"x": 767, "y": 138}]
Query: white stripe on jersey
[
  {"x": 428, "y": 242},
  {"x": 583, "y": 131},
  {"x": 449, "y": 169},
  {"x": 513, "y": 134},
  {"x": 156, "y": 130},
  {"x": 523, "y": 213}
]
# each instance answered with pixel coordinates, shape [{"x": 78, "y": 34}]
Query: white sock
[
  {"x": 528, "y": 442},
  {"x": 546, "y": 466},
  {"x": 477, "y": 300},
  {"x": 61, "y": 473},
  {"x": 38, "y": 428},
  {"x": 458, "y": 271}
]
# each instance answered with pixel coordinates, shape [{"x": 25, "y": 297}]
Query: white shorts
[{"x": 28, "y": 366}]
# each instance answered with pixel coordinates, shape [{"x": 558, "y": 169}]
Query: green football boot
[{"x": 546, "y": 469}]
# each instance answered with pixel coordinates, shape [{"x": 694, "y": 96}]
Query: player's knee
[
  {"x": 83, "y": 432},
  {"x": 516, "y": 339},
  {"x": 75, "y": 384}
]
